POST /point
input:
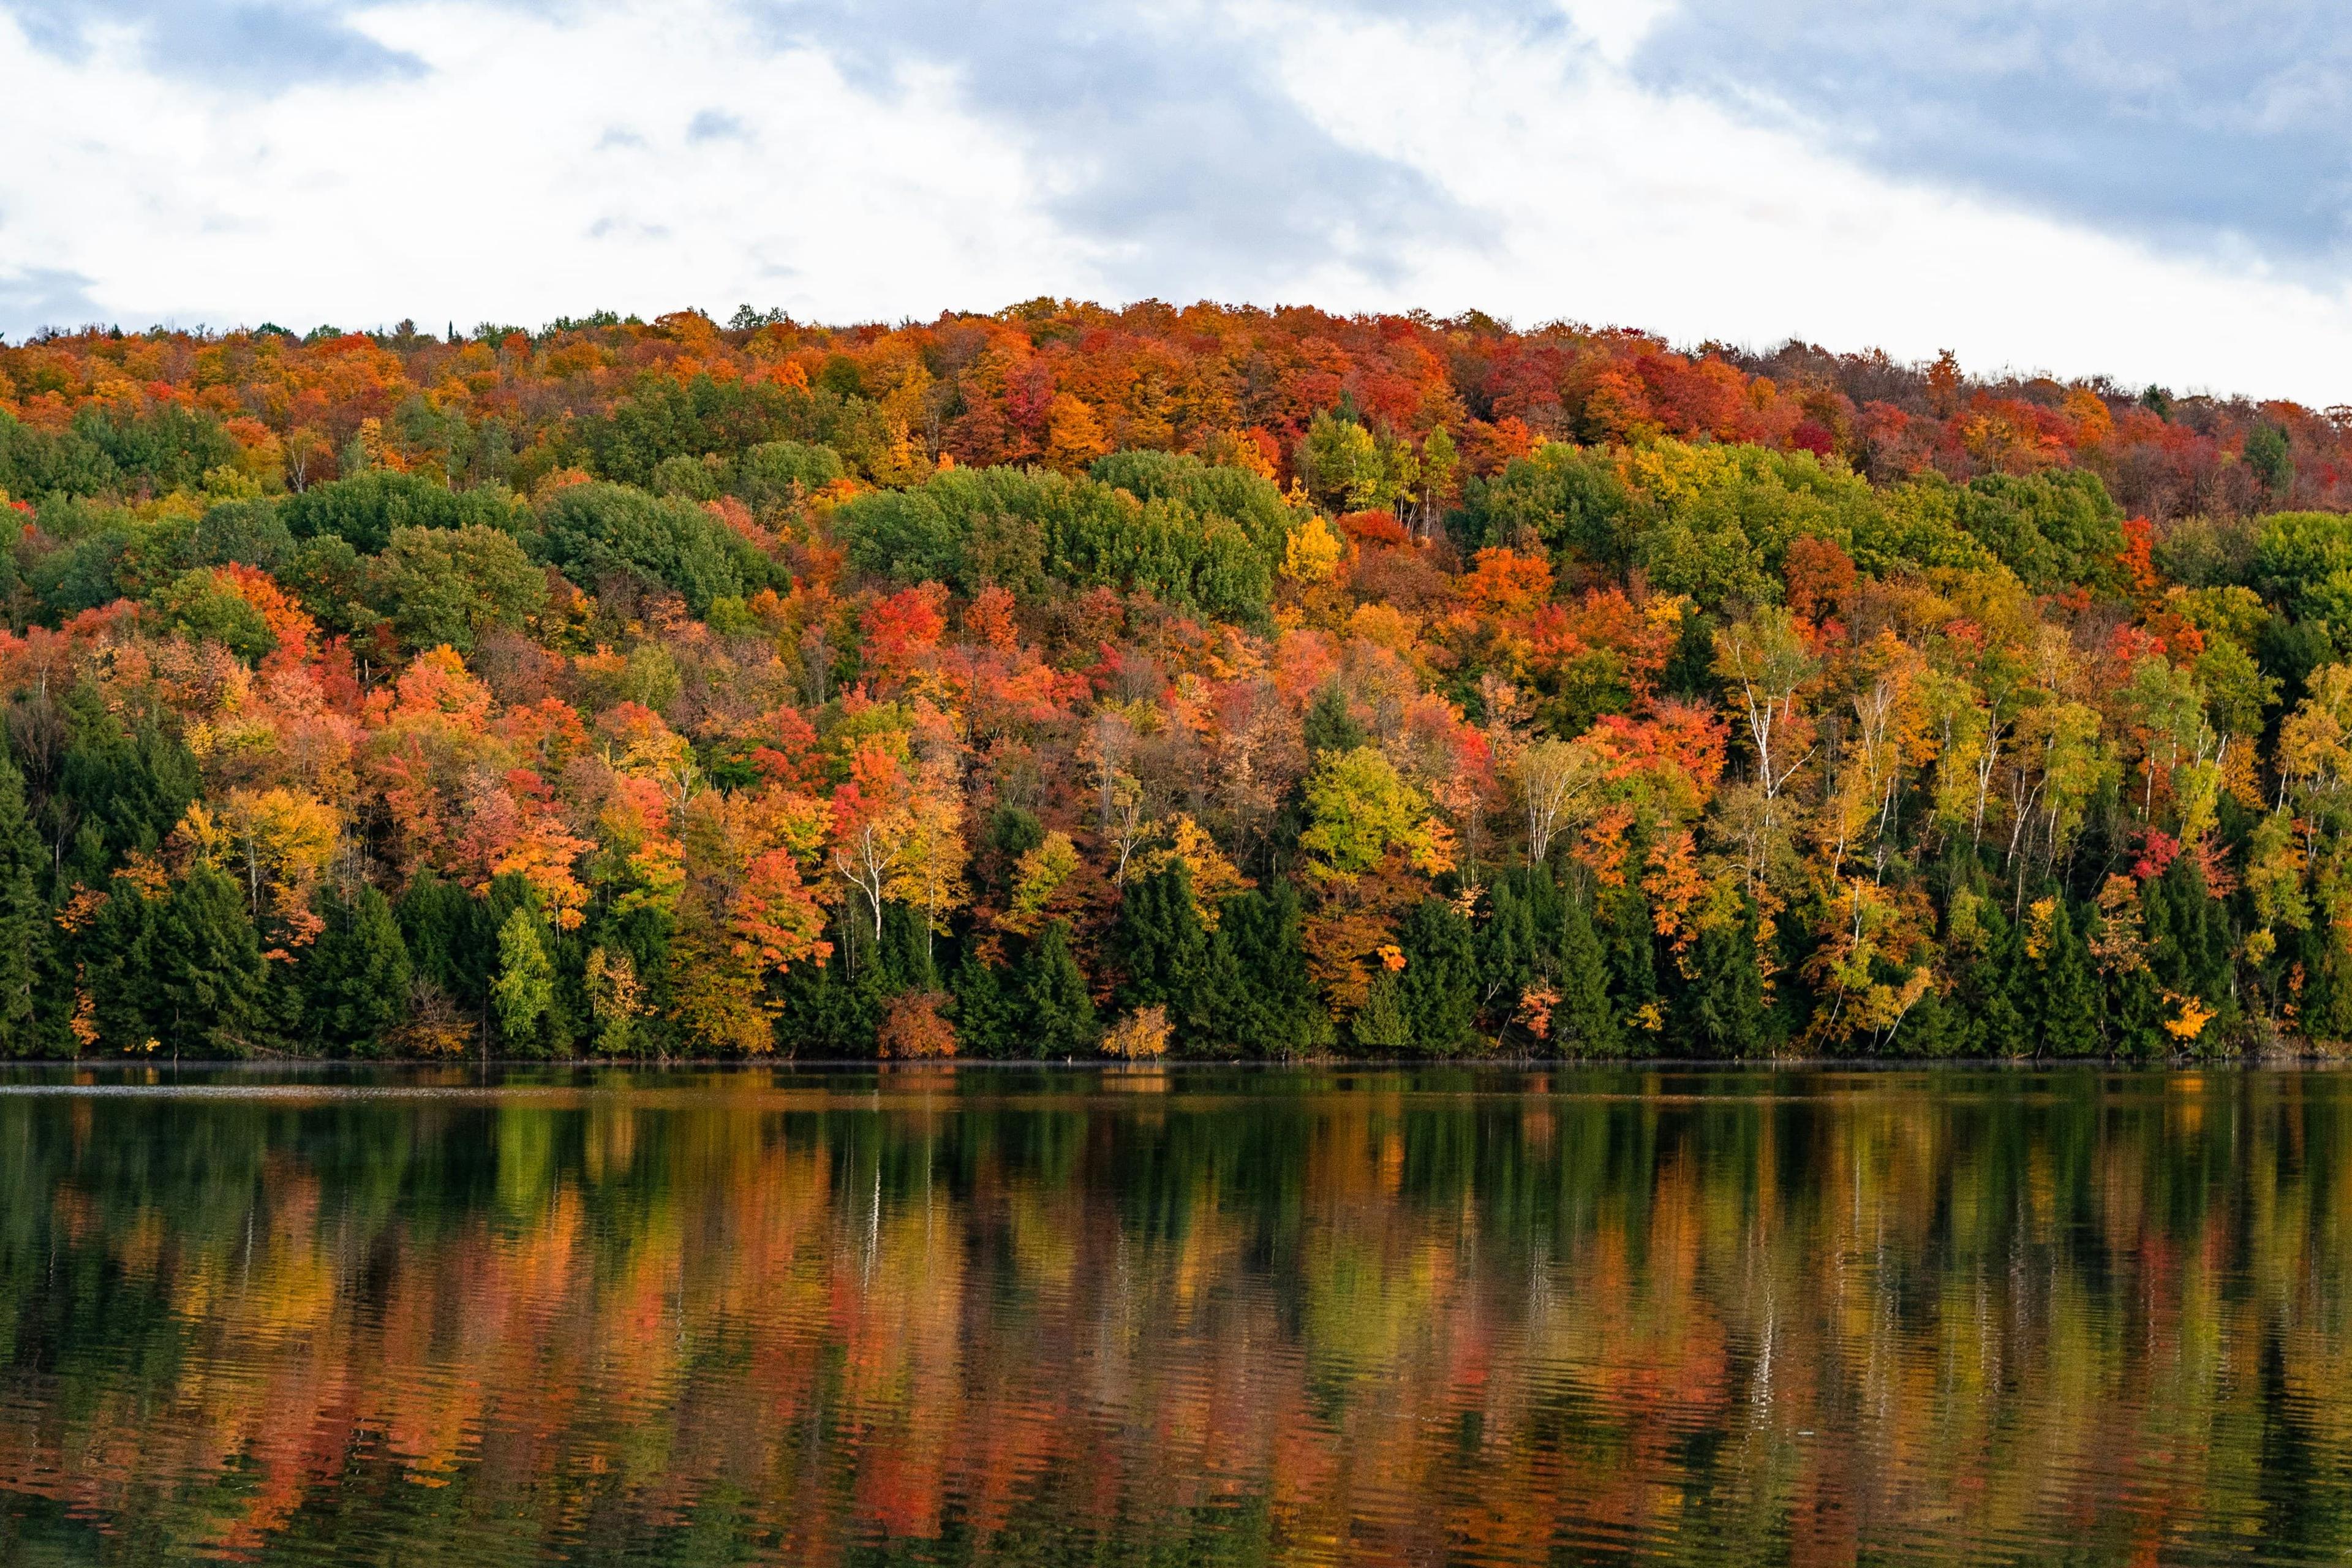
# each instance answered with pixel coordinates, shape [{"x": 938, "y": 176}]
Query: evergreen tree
[
  {"x": 1159, "y": 944},
  {"x": 1329, "y": 726},
  {"x": 355, "y": 978},
  {"x": 183, "y": 968},
  {"x": 1437, "y": 991},
  {"x": 1582, "y": 1023},
  {"x": 2066, "y": 1015},
  {"x": 1721, "y": 1010},
  {"x": 1275, "y": 1011},
  {"x": 118, "y": 790},
  {"x": 32, "y": 989},
  {"x": 1381, "y": 1027},
  {"x": 1631, "y": 953},
  {"x": 1061, "y": 1020},
  {"x": 452, "y": 940},
  {"x": 985, "y": 1020},
  {"x": 1510, "y": 961}
]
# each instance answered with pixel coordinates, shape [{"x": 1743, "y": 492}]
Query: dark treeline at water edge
[{"x": 1218, "y": 682}]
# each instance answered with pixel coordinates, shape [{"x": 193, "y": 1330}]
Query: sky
[{"x": 2160, "y": 190}]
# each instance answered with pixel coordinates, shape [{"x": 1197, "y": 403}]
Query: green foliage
[
  {"x": 355, "y": 978},
  {"x": 364, "y": 510},
  {"x": 31, "y": 996},
  {"x": 1569, "y": 497},
  {"x": 1583, "y": 1023},
  {"x": 524, "y": 991},
  {"x": 1060, "y": 1014},
  {"x": 1437, "y": 990},
  {"x": 2052, "y": 528},
  {"x": 449, "y": 585},
  {"x": 180, "y": 969},
  {"x": 203, "y": 607},
  {"x": 596, "y": 532}
]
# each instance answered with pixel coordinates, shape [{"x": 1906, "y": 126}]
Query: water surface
[{"x": 1175, "y": 1317}]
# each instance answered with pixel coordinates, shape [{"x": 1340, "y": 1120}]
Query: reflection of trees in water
[{"x": 1236, "y": 1319}]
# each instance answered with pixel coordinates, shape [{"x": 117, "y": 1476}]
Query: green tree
[
  {"x": 1583, "y": 1022},
  {"x": 1720, "y": 1012},
  {"x": 355, "y": 978},
  {"x": 31, "y": 989},
  {"x": 181, "y": 968},
  {"x": 2066, "y": 995},
  {"x": 1276, "y": 1012},
  {"x": 1437, "y": 991},
  {"x": 451, "y": 585},
  {"x": 524, "y": 991},
  {"x": 1061, "y": 1018}
]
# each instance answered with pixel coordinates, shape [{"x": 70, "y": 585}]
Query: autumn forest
[{"x": 1221, "y": 682}]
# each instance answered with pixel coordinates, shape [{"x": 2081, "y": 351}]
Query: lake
[{"x": 1185, "y": 1316}]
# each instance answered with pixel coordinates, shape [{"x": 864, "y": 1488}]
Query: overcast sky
[{"x": 2158, "y": 190}]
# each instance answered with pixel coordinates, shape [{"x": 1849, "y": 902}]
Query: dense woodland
[{"x": 1221, "y": 681}]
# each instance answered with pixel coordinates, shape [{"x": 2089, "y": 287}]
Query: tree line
[{"x": 1229, "y": 683}]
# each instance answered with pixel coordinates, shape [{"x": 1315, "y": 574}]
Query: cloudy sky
[{"x": 2157, "y": 190}]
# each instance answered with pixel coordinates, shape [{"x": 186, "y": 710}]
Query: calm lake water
[{"x": 1180, "y": 1317}]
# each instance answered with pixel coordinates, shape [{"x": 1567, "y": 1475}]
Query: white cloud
[{"x": 545, "y": 165}]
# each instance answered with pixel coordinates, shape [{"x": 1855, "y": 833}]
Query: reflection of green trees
[{"x": 1180, "y": 1316}]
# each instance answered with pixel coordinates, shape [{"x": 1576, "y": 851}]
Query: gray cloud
[
  {"x": 45, "y": 297},
  {"x": 254, "y": 45},
  {"x": 1183, "y": 151},
  {"x": 2196, "y": 126}
]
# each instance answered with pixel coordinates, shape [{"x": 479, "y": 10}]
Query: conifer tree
[
  {"x": 355, "y": 978},
  {"x": 1631, "y": 951},
  {"x": 1061, "y": 1021},
  {"x": 2067, "y": 997},
  {"x": 984, "y": 1016},
  {"x": 1721, "y": 1009},
  {"x": 1583, "y": 1022},
  {"x": 31, "y": 988},
  {"x": 1276, "y": 1012},
  {"x": 1437, "y": 989}
]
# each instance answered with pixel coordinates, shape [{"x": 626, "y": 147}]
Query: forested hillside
[{"x": 1218, "y": 681}]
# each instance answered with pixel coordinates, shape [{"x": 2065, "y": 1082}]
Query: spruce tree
[
  {"x": 984, "y": 1016},
  {"x": 1157, "y": 942},
  {"x": 1061, "y": 1021},
  {"x": 1631, "y": 953},
  {"x": 2067, "y": 998},
  {"x": 1508, "y": 959},
  {"x": 355, "y": 978},
  {"x": 1275, "y": 1011},
  {"x": 1721, "y": 1010},
  {"x": 1583, "y": 1023},
  {"x": 32, "y": 990},
  {"x": 1437, "y": 991}
]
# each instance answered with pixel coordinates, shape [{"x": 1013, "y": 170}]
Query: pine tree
[
  {"x": 1721, "y": 1010},
  {"x": 984, "y": 1021},
  {"x": 355, "y": 978},
  {"x": 1159, "y": 943},
  {"x": 1061, "y": 1021},
  {"x": 181, "y": 968},
  {"x": 2066, "y": 1018},
  {"x": 1508, "y": 959},
  {"x": 1632, "y": 954},
  {"x": 1437, "y": 991},
  {"x": 1276, "y": 1012},
  {"x": 1583, "y": 1023},
  {"x": 31, "y": 989}
]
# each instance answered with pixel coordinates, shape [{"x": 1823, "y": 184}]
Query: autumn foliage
[{"x": 1259, "y": 683}]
